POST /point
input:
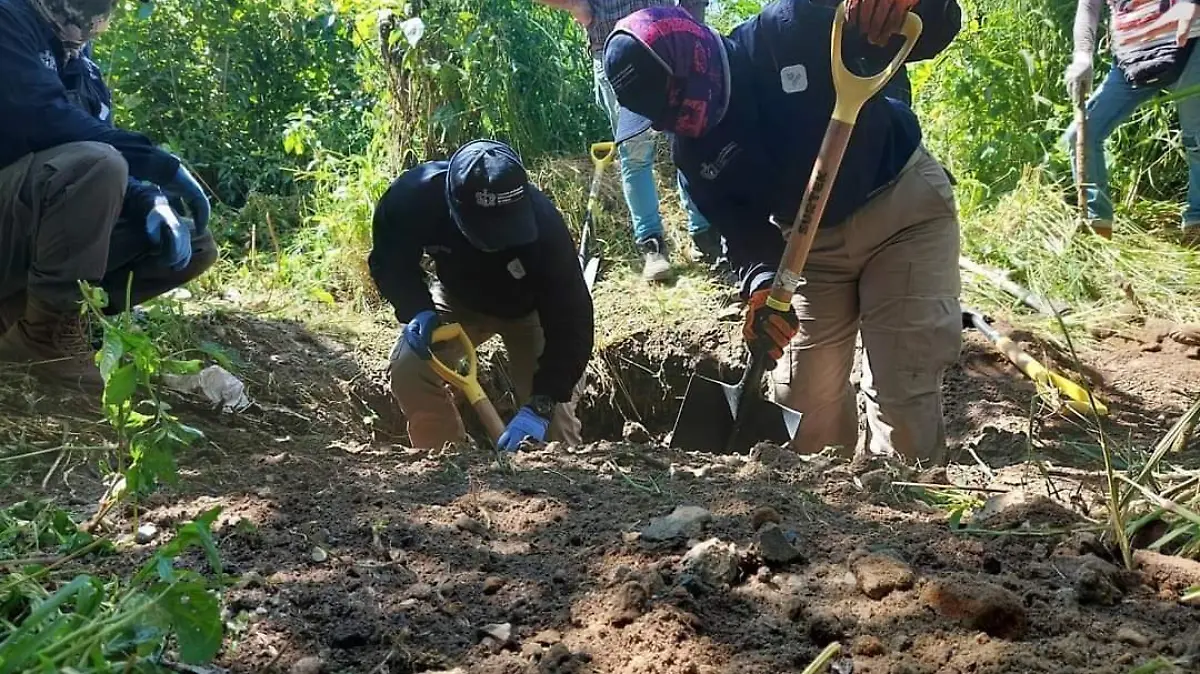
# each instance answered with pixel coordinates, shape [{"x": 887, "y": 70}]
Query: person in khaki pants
[
  {"x": 748, "y": 113},
  {"x": 505, "y": 265},
  {"x": 80, "y": 200}
]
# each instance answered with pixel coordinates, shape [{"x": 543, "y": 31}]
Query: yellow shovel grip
[
  {"x": 854, "y": 91},
  {"x": 469, "y": 383},
  {"x": 603, "y": 154}
]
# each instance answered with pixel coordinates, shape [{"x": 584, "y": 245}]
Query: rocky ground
[{"x": 357, "y": 554}]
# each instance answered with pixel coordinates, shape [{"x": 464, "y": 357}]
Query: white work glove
[{"x": 1079, "y": 77}]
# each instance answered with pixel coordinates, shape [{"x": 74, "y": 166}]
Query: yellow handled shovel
[
  {"x": 468, "y": 383},
  {"x": 603, "y": 154},
  {"x": 1074, "y": 397}
]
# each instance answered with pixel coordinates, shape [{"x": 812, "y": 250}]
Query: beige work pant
[
  {"x": 428, "y": 404},
  {"x": 890, "y": 271}
]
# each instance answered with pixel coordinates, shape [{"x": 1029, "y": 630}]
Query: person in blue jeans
[
  {"x": 1114, "y": 102},
  {"x": 637, "y": 154}
]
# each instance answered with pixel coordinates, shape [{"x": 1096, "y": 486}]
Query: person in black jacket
[
  {"x": 79, "y": 198},
  {"x": 748, "y": 113},
  {"x": 505, "y": 264}
]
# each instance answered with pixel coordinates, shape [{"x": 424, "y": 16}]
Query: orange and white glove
[{"x": 768, "y": 329}]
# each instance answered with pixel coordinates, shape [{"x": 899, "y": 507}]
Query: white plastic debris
[{"x": 215, "y": 383}]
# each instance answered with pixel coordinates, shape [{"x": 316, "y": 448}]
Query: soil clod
[
  {"x": 878, "y": 574},
  {"x": 868, "y": 646},
  {"x": 308, "y": 665},
  {"x": 1096, "y": 582},
  {"x": 1128, "y": 635},
  {"x": 470, "y": 525},
  {"x": 635, "y": 433},
  {"x": 764, "y": 515},
  {"x": 683, "y": 523},
  {"x": 493, "y": 584},
  {"x": 627, "y": 604},
  {"x": 978, "y": 604}
]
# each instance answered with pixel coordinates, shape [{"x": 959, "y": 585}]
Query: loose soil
[{"x": 450, "y": 561}]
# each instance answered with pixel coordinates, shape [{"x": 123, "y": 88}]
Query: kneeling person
[
  {"x": 505, "y": 265},
  {"x": 80, "y": 200}
]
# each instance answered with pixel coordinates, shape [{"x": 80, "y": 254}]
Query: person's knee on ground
[{"x": 427, "y": 405}]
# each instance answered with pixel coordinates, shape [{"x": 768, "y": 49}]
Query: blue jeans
[
  {"x": 1113, "y": 103},
  {"x": 637, "y": 171}
]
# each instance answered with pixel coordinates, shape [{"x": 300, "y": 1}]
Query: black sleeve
[
  {"x": 754, "y": 244},
  {"x": 397, "y": 247},
  {"x": 564, "y": 306},
  {"x": 34, "y": 102}
]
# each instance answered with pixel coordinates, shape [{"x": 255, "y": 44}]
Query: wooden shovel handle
[{"x": 852, "y": 93}]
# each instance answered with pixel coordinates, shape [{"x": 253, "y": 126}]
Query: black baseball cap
[{"x": 487, "y": 191}]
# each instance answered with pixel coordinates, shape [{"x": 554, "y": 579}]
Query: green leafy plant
[
  {"x": 148, "y": 434},
  {"x": 93, "y": 625}
]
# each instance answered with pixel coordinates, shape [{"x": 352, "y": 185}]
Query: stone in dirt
[
  {"x": 684, "y": 522},
  {"x": 635, "y": 433},
  {"x": 775, "y": 548},
  {"x": 878, "y": 574},
  {"x": 493, "y": 584},
  {"x": 1128, "y": 635},
  {"x": 714, "y": 563},
  {"x": 978, "y": 604},
  {"x": 145, "y": 533},
  {"x": 470, "y": 525},
  {"x": 309, "y": 665},
  {"x": 548, "y": 637},
  {"x": 497, "y": 635},
  {"x": 764, "y": 515},
  {"x": 867, "y": 646},
  {"x": 1096, "y": 583}
]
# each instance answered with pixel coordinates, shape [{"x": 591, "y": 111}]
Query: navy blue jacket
[
  {"x": 35, "y": 111},
  {"x": 85, "y": 88},
  {"x": 755, "y": 164},
  {"x": 413, "y": 219}
]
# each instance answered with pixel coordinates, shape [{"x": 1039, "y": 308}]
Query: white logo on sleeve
[
  {"x": 516, "y": 269},
  {"x": 794, "y": 78},
  {"x": 104, "y": 112},
  {"x": 48, "y": 60}
]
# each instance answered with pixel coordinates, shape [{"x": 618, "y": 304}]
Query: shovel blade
[
  {"x": 590, "y": 270},
  {"x": 705, "y": 420}
]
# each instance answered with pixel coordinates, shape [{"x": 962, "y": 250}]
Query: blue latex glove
[
  {"x": 169, "y": 235},
  {"x": 184, "y": 186},
  {"x": 527, "y": 424},
  {"x": 418, "y": 334}
]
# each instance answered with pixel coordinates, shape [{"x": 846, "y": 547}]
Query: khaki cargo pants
[
  {"x": 890, "y": 271},
  {"x": 428, "y": 403},
  {"x": 60, "y": 223}
]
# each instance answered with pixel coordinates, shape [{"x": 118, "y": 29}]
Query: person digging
[
  {"x": 505, "y": 264},
  {"x": 80, "y": 200},
  {"x": 748, "y": 113}
]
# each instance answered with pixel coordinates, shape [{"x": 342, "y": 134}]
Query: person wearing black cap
[
  {"x": 505, "y": 264},
  {"x": 748, "y": 113}
]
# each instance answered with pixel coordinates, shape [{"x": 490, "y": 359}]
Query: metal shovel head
[
  {"x": 590, "y": 271},
  {"x": 706, "y": 417}
]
